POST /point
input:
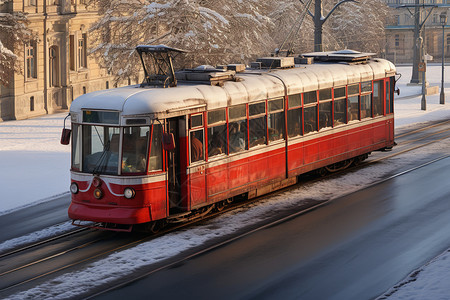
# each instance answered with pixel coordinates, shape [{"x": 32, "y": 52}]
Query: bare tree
[{"x": 13, "y": 33}]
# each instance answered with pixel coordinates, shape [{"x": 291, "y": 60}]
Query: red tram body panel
[{"x": 249, "y": 135}]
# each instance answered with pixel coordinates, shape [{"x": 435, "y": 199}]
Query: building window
[
  {"x": 32, "y": 103},
  {"x": 82, "y": 52},
  {"x": 72, "y": 52},
  {"x": 30, "y": 56},
  {"x": 53, "y": 66},
  {"x": 397, "y": 41},
  {"x": 448, "y": 45}
]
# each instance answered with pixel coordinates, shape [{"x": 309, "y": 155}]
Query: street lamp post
[{"x": 443, "y": 20}]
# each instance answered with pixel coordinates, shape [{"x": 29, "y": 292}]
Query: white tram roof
[{"x": 253, "y": 85}]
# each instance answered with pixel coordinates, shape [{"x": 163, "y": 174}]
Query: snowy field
[{"x": 35, "y": 168}]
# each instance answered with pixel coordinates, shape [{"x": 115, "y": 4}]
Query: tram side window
[
  {"x": 196, "y": 138},
  {"x": 294, "y": 115},
  {"x": 310, "y": 119},
  {"x": 257, "y": 124},
  {"x": 155, "y": 163},
  {"x": 325, "y": 115},
  {"x": 353, "y": 102},
  {"x": 353, "y": 108},
  {"x": 325, "y": 108},
  {"x": 366, "y": 106},
  {"x": 135, "y": 144},
  {"x": 76, "y": 148},
  {"x": 377, "y": 99},
  {"x": 217, "y": 132},
  {"x": 237, "y": 126},
  {"x": 340, "y": 112},
  {"x": 276, "y": 119}
]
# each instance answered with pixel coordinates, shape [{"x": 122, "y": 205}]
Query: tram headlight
[
  {"x": 98, "y": 194},
  {"x": 74, "y": 188},
  {"x": 129, "y": 193}
]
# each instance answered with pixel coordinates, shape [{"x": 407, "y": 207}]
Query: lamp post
[{"x": 443, "y": 20}]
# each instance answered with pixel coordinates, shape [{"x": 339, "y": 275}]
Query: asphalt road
[
  {"x": 356, "y": 247},
  {"x": 35, "y": 218}
]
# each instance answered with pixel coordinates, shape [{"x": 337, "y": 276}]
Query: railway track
[{"x": 25, "y": 267}]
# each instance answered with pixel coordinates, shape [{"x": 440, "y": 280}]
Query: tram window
[
  {"x": 275, "y": 105},
  {"x": 155, "y": 163},
  {"x": 295, "y": 100},
  {"x": 387, "y": 90},
  {"x": 196, "y": 121},
  {"x": 325, "y": 119},
  {"x": 76, "y": 148},
  {"x": 276, "y": 126},
  {"x": 366, "y": 86},
  {"x": 257, "y": 131},
  {"x": 340, "y": 113},
  {"x": 257, "y": 109},
  {"x": 237, "y": 112},
  {"x": 391, "y": 93},
  {"x": 366, "y": 106},
  {"x": 238, "y": 136},
  {"x": 196, "y": 143},
  {"x": 135, "y": 144},
  {"x": 353, "y": 89},
  {"x": 100, "y": 149},
  {"x": 216, "y": 116},
  {"x": 377, "y": 98},
  {"x": 310, "y": 119},
  {"x": 325, "y": 94},
  {"x": 217, "y": 140},
  {"x": 294, "y": 122},
  {"x": 310, "y": 97},
  {"x": 353, "y": 108},
  {"x": 339, "y": 92}
]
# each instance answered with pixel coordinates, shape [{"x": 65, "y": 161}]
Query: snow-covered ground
[{"x": 32, "y": 157}]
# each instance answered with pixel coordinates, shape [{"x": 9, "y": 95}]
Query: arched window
[{"x": 53, "y": 66}]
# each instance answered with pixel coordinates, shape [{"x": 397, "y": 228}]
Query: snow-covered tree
[
  {"x": 353, "y": 25},
  {"x": 213, "y": 32},
  {"x": 13, "y": 34},
  {"x": 220, "y": 32}
]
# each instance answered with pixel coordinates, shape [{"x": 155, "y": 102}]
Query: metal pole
[
  {"x": 442, "y": 100},
  {"x": 424, "y": 86},
  {"x": 416, "y": 49}
]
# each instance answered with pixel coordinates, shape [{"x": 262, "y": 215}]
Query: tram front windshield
[{"x": 96, "y": 149}]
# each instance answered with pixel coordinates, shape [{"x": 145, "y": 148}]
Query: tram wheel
[
  {"x": 220, "y": 205},
  {"x": 339, "y": 166}
]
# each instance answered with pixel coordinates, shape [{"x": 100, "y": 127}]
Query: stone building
[
  {"x": 56, "y": 67},
  {"x": 400, "y": 30}
]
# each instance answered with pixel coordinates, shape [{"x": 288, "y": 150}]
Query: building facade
[
  {"x": 56, "y": 66},
  {"x": 400, "y": 30}
]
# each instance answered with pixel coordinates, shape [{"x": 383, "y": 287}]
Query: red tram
[{"x": 169, "y": 149}]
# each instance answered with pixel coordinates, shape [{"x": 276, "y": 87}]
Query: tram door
[{"x": 173, "y": 167}]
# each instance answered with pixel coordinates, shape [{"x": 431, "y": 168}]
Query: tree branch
[
  {"x": 309, "y": 12},
  {"x": 336, "y": 6}
]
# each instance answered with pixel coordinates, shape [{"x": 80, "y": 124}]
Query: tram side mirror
[
  {"x": 65, "y": 136},
  {"x": 397, "y": 91},
  {"x": 168, "y": 141}
]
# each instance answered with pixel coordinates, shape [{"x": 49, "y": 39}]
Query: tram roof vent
[
  {"x": 347, "y": 55},
  {"x": 276, "y": 62},
  {"x": 206, "y": 74}
]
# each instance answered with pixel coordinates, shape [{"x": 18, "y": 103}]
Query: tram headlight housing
[
  {"x": 98, "y": 194},
  {"x": 74, "y": 188},
  {"x": 129, "y": 193}
]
